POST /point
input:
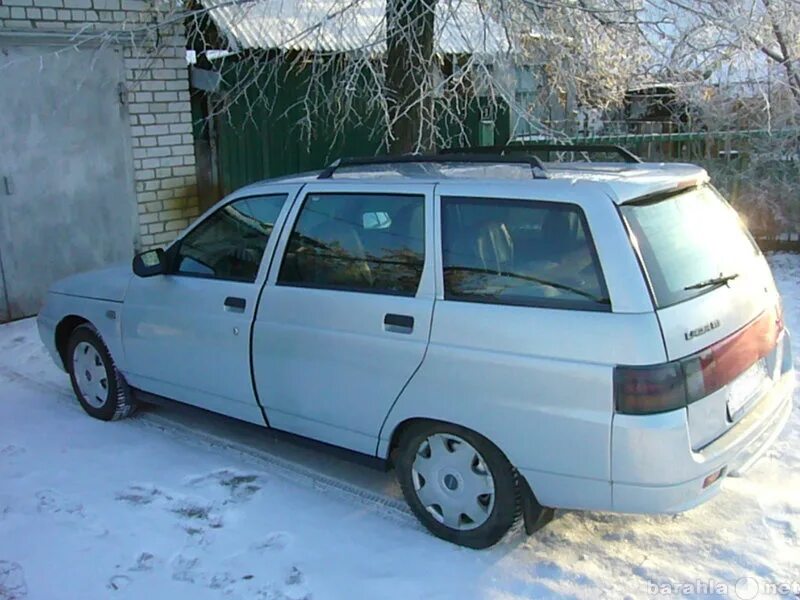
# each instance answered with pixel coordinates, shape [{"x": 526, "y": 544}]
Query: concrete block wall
[{"x": 157, "y": 94}]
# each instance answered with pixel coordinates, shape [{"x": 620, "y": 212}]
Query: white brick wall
[{"x": 157, "y": 83}]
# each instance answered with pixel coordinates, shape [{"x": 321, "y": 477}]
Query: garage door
[{"x": 67, "y": 202}]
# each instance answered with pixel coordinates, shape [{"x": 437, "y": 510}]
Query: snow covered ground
[{"x": 177, "y": 503}]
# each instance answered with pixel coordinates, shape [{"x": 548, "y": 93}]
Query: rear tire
[
  {"x": 457, "y": 483},
  {"x": 100, "y": 388}
]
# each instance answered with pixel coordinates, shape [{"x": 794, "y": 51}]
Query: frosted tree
[
  {"x": 418, "y": 63},
  {"x": 741, "y": 59}
]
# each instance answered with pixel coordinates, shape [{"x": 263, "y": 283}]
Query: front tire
[
  {"x": 457, "y": 483},
  {"x": 100, "y": 388}
]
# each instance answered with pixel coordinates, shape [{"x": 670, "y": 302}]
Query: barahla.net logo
[{"x": 745, "y": 588}]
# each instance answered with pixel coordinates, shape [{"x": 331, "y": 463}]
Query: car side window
[
  {"x": 230, "y": 242},
  {"x": 520, "y": 252},
  {"x": 357, "y": 242}
]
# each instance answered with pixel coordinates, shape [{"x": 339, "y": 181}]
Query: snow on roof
[{"x": 461, "y": 26}]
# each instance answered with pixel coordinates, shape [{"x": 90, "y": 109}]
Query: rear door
[
  {"x": 687, "y": 241},
  {"x": 344, "y": 319}
]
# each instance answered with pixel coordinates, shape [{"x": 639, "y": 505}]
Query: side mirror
[{"x": 150, "y": 263}]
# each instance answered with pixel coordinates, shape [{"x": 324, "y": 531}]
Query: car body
[{"x": 541, "y": 314}]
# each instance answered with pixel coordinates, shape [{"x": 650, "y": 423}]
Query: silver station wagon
[{"x": 510, "y": 336}]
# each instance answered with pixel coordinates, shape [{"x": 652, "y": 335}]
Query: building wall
[{"x": 156, "y": 92}]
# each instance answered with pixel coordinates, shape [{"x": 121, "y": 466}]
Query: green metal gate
[{"x": 263, "y": 134}]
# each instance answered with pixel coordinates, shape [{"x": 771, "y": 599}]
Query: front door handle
[
  {"x": 235, "y": 304},
  {"x": 398, "y": 323}
]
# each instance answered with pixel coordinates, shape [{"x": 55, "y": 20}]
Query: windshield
[{"x": 690, "y": 243}]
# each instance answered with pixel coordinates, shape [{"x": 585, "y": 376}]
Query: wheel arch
[
  {"x": 119, "y": 401},
  {"x": 64, "y": 330},
  {"x": 405, "y": 424},
  {"x": 401, "y": 427},
  {"x": 397, "y": 433},
  {"x": 534, "y": 514}
]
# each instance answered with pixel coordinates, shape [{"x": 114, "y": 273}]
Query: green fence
[
  {"x": 757, "y": 169},
  {"x": 700, "y": 145},
  {"x": 266, "y": 132}
]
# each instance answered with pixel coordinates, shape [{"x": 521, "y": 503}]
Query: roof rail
[
  {"x": 537, "y": 168},
  {"x": 624, "y": 153}
]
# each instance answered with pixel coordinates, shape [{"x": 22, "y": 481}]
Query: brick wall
[{"x": 157, "y": 89}]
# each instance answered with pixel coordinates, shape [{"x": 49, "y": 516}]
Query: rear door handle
[
  {"x": 235, "y": 304},
  {"x": 398, "y": 323}
]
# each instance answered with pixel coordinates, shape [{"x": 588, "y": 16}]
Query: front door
[
  {"x": 67, "y": 202},
  {"x": 186, "y": 335},
  {"x": 344, "y": 320}
]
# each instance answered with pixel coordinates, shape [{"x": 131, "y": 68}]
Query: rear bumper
[{"x": 655, "y": 470}]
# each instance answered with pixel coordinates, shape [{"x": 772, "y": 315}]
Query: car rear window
[{"x": 687, "y": 238}]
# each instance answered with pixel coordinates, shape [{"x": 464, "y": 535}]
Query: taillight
[
  {"x": 700, "y": 375},
  {"x": 715, "y": 367},
  {"x": 669, "y": 386},
  {"x": 648, "y": 390}
]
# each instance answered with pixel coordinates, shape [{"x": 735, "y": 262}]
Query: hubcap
[
  {"x": 453, "y": 482},
  {"x": 90, "y": 374}
]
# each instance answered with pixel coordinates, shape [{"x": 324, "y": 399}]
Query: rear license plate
[{"x": 745, "y": 388}]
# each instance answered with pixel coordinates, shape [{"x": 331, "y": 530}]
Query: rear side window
[
  {"x": 686, "y": 239},
  {"x": 357, "y": 242},
  {"x": 520, "y": 252},
  {"x": 230, "y": 242}
]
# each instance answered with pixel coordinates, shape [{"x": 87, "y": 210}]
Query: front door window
[{"x": 230, "y": 242}]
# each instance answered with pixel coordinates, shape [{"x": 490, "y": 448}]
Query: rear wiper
[{"x": 722, "y": 279}]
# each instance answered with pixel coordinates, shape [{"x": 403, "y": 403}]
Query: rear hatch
[{"x": 716, "y": 303}]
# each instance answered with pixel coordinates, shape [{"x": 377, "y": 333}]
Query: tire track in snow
[{"x": 381, "y": 505}]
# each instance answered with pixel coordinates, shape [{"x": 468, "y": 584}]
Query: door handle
[
  {"x": 398, "y": 323},
  {"x": 235, "y": 304}
]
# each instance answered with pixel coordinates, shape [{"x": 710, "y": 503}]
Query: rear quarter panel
[{"x": 536, "y": 382}]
